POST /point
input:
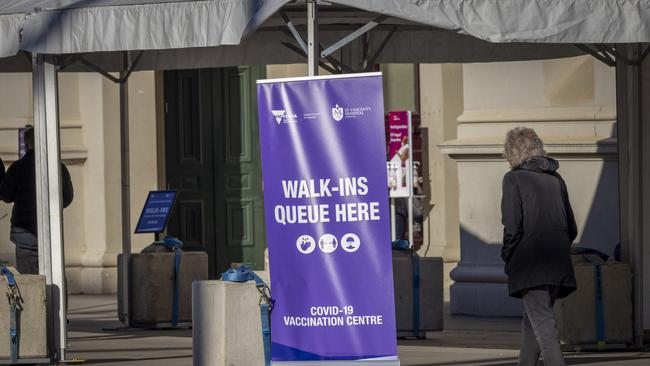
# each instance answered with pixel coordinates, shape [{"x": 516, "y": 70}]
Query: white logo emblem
[
  {"x": 337, "y": 113},
  {"x": 328, "y": 243},
  {"x": 278, "y": 114},
  {"x": 306, "y": 244}
]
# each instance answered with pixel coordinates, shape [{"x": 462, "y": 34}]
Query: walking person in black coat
[{"x": 539, "y": 228}]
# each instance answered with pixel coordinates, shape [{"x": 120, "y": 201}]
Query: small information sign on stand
[{"x": 156, "y": 211}]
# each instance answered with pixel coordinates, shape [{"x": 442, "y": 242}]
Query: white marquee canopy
[
  {"x": 189, "y": 34},
  {"x": 116, "y": 35}
]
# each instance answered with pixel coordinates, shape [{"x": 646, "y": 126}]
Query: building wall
[
  {"x": 90, "y": 145},
  {"x": 465, "y": 111},
  {"x": 571, "y": 104}
]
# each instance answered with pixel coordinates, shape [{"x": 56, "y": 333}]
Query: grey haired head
[{"x": 522, "y": 143}]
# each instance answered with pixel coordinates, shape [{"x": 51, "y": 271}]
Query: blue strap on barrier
[
  {"x": 600, "y": 316},
  {"x": 15, "y": 300},
  {"x": 245, "y": 274},
  {"x": 176, "y": 245},
  {"x": 11, "y": 281},
  {"x": 401, "y": 245},
  {"x": 415, "y": 262},
  {"x": 177, "y": 276},
  {"x": 265, "y": 314},
  {"x": 13, "y": 335}
]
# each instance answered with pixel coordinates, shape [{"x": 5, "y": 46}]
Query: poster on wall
[
  {"x": 399, "y": 154},
  {"x": 327, "y": 219}
]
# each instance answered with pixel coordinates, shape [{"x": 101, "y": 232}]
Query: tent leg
[
  {"x": 634, "y": 192},
  {"x": 126, "y": 194},
  {"x": 49, "y": 200},
  {"x": 313, "y": 53}
]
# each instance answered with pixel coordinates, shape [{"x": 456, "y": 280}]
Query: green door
[
  {"x": 213, "y": 160},
  {"x": 239, "y": 198}
]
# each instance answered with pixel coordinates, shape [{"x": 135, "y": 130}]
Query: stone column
[
  {"x": 441, "y": 102},
  {"x": 571, "y": 104}
]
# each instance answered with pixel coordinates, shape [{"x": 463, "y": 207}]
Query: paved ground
[{"x": 466, "y": 341}]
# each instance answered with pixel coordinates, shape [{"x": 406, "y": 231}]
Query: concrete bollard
[
  {"x": 576, "y": 314},
  {"x": 431, "y": 294},
  {"x": 32, "y": 332},
  {"x": 152, "y": 286},
  {"x": 226, "y": 324}
]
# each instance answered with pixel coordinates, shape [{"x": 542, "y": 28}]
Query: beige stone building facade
[
  {"x": 572, "y": 105},
  {"x": 465, "y": 111},
  {"x": 90, "y": 143}
]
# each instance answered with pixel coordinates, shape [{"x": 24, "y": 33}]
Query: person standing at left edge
[
  {"x": 19, "y": 187},
  {"x": 539, "y": 228},
  {"x": 2, "y": 171}
]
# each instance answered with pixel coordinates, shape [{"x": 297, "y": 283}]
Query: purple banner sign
[{"x": 327, "y": 218}]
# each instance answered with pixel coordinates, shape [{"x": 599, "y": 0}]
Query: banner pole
[
  {"x": 312, "y": 38},
  {"x": 393, "y": 226},
  {"x": 409, "y": 180}
]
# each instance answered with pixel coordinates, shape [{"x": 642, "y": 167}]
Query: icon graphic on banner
[
  {"x": 306, "y": 244},
  {"x": 328, "y": 243},
  {"x": 350, "y": 242},
  {"x": 337, "y": 113},
  {"x": 278, "y": 114}
]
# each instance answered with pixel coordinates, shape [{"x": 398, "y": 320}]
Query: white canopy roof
[
  {"x": 189, "y": 34},
  {"x": 538, "y": 21}
]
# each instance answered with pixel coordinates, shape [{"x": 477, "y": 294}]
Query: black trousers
[{"x": 26, "y": 260}]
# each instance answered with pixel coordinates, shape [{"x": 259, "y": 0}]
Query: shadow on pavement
[
  {"x": 126, "y": 361},
  {"x": 570, "y": 360}
]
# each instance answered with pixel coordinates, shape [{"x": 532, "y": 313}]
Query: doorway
[{"x": 212, "y": 157}]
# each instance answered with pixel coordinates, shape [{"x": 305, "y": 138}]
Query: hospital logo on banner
[{"x": 337, "y": 113}]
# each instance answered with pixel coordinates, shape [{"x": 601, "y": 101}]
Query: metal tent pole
[
  {"x": 313, "y": 53},
  {"x": 48, "y": 199},
  {"x": 634, "y": 203},
  {"x": 126, "y": 191}
]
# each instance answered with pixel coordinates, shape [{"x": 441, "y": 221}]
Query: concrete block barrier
[
  {"x": 431, "y": 294},
  {"x": 32, "y": 319},
  {"x": 226, "y": 327},
  {"x": 152, "y": 286},
  {"x": 576, "y": 314}
]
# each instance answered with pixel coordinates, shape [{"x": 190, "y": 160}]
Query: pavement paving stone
[{"x": 94, "y": 335}]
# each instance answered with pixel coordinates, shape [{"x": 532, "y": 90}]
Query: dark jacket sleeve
[
  {"x": 511, "y": 217},
  {"x": 8, "y": 186},
  {"x": 66, "y": 182},
  {"x": 571, "y": 220}
]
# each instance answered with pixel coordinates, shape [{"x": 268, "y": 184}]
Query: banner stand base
[{"x": 338, "y": 363}]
